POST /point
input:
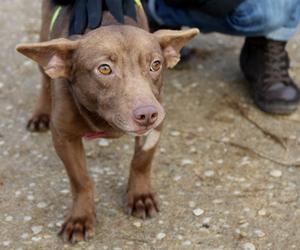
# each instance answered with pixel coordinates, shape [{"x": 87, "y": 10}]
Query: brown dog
[{"x": 105, "y": 83}]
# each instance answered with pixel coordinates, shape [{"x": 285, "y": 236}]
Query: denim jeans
[{"x": 273, "y": 19}]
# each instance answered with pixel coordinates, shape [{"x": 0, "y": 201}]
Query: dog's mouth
[
  {"x": 135, "y": 132},
  {"x": 141, "y": 132},
  {"x": 132, "y": 130}
]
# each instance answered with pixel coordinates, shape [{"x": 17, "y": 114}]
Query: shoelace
[{"x": 276, "y": 64}]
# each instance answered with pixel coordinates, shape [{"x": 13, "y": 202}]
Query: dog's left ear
[
  {"x": 54, "y": 56},
  {"x": 172, "y": 41}
]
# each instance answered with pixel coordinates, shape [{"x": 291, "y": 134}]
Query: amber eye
[
  {"x": 155, "y": 66},
  {"x": 104, "y": 69}
]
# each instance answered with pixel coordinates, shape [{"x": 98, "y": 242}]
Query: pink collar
[{"x": 95, "y": 135}]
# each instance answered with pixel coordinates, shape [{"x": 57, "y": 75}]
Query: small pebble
[
  {"x": 162, "y": 150},
  {"x": 187, "y": 243},
  {"x": 220, "y": 161},
  {"x": 137, "y": 224},
  {"x": 276, "y": 173},
  {"x": 217, "y": 201},
  {"x": 237, "y": 192},
  {"x": 30, "y": 197},
  {"x": 262, "y": 212},
  {"x": 200, "y": 129},
  {"x": 34, "y": 238},
  {"x": 179, "y": 237},
  {"x": 249, "y": 246},
  {"x": 27, "y": 218},
  {"x": 25, "y": 236},
  {"x": 8, "y": 218},
  {"x": 59, "y": 223},
  {"x": 206, "y": 220},
  {"x": 241, "y": 233},
  {"x": 209, "y": 173},
  {"x": 65, "y": 191},
  {"x": 47, "y": 236},
  {"x": 50, "y": 225},
  {"x": 185, "y": 162},
  {"x": 192, "y": 204},
  {"x": 175, "y": 133},
  {"x": 177, "y": 178},
  {"x": 198, "y": 211},
  {"x": 103, "y": 142},
  {"x": 9, "y": 107},
  {"x": 193, "y": 150},
  {"x": 41, "y": 205},
  {"x": 160, "y": 236},
  {"x": 259, "y": 233},
  {"x": 36, "y": 229},
  {"x": 200, "y": 66},
  {"x": 6, "y": 243}
]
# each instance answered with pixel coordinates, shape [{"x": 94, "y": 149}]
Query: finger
[
  {"x": 116, "y": 9},
  {"x": 78, "y": 22},
  {"x": 94, "y": 10},
  {"x": 129, "y": 8}
]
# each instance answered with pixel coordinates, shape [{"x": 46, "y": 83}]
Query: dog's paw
[
  {"x": 38, "y": 123},
  {"x": 142, "y": 205},
  {"x": 77, "y": 229}
]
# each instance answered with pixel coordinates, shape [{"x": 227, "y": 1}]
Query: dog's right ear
[
  {"x": 172, "y": 41},
  {"x": 54, "y": 56}
]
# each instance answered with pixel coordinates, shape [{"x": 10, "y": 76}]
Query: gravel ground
[{"x": 227, "y": 174}]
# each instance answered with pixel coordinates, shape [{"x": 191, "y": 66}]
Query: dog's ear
[
  {"x": 54, "y": 56},
  {"x": 172, "y": 41}
]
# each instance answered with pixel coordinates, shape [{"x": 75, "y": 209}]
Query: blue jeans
[{"x": 273, "y": 19}]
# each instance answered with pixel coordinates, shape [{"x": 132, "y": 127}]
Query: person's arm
[
  {"x": 63, "y": 2},
  {"x": 211, "y": 7},
  {"x": 88, "y": 13}
]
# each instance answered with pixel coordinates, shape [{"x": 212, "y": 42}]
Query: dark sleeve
[
  {"x": 63, "y": 2},
  {"x": 218, "y": 8}
]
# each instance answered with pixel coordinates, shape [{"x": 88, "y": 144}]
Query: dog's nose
[{"x": 145, "y": 115}]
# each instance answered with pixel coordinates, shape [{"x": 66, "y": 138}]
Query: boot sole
[{"x": 277, "y": 109}]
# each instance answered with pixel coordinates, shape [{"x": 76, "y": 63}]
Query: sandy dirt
[{"x": 227, "y": 174}]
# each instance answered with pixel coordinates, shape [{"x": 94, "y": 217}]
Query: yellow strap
[
  {"x": 55, "y": 16},
  {"x": 138, "y": 3}
]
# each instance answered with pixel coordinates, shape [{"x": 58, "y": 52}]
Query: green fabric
[
  {"x": 138, "y": 3},
  {"x": 55, "y": 16}
]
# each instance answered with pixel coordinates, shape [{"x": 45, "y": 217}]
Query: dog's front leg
[
  {"x": 80, "y": 223},
  {"x": 141, "y": 200}
]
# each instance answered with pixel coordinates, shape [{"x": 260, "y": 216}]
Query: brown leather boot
[{"x": 265, "y": 64}]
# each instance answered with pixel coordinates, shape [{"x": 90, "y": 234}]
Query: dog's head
[{"x": 115, "y": 71}]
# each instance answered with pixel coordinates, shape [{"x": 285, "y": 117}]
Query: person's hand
[{"x": 88, "y": 13}]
